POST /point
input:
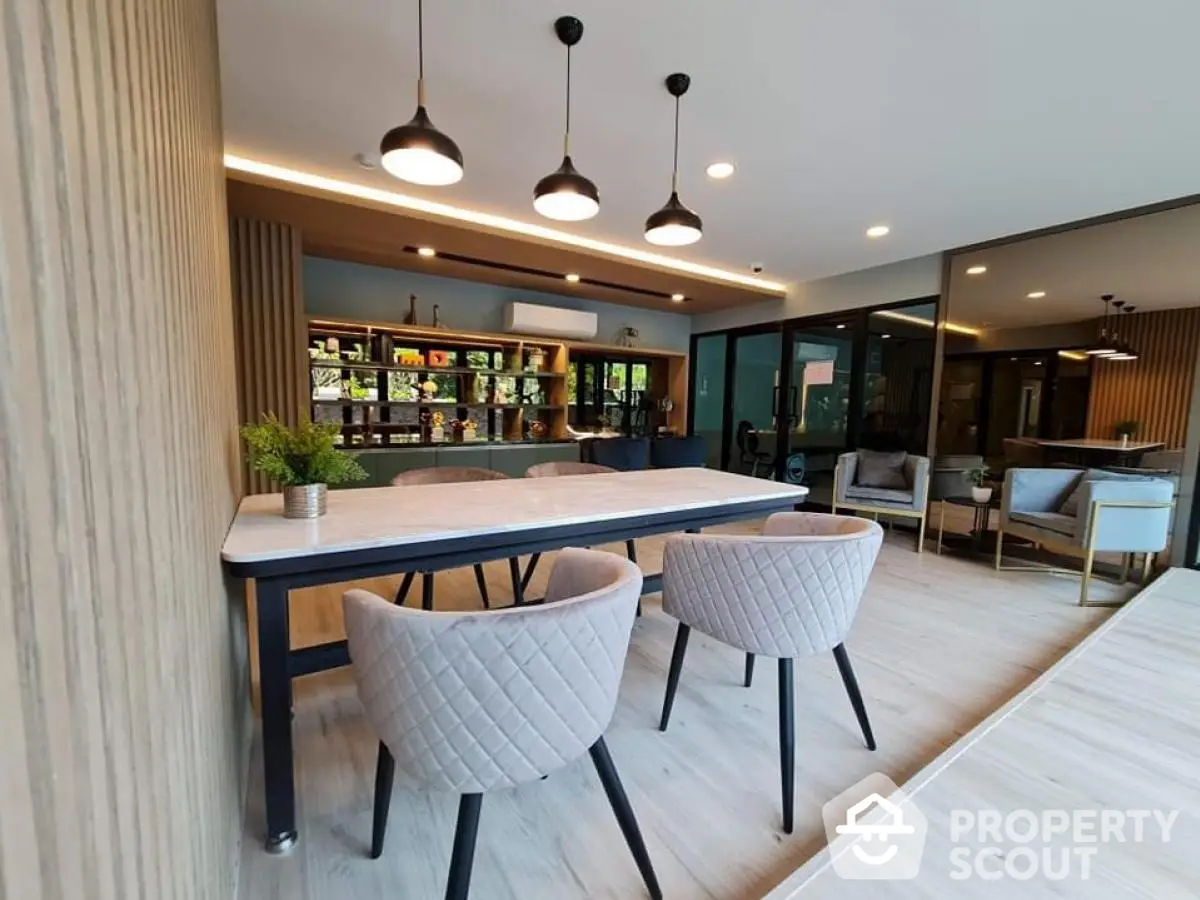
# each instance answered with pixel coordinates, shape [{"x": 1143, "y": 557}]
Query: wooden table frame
[{"x": 274, "y": 578}]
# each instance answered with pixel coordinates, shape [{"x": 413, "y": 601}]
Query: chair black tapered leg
[
  {"x": 681, "y": 640},
  {"x": 482, "y": 582},
  {"x": 405, "y": 586},
  {"x": 463, "y": 855},
  {"x": 625, "y": 817},
  {"x": 514, "y": 573},
  {"x": 749, "y": 680},
  {"x": 385, "y": 768},
  {"x": 631, "y": 550},
  {"x": 529, "y": 570},
  {"x": 856, "y": 700},
  {"x": 787, "y": 741},
  {"x": 427, "y": 591}
]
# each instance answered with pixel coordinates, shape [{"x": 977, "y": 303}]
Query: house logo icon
[{"x": 875, "y": 832}]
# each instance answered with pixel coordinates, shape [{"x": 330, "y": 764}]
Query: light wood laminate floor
[{"x": 939, "y": 644}]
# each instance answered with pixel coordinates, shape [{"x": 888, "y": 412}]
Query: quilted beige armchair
[
  {"x": 472, "y": 702},
  {"x": 793, "y": 591}
]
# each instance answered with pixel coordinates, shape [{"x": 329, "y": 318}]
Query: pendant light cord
[
  {"x": 420, "y": 53},
  {"x": 567, "y": 133},
  {"x": 675, "y": 160}
]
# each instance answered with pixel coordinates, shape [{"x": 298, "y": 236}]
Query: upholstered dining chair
[
  {"x": 471, "y": 702},
  {"x": 793, "y": 591},
  {"x": 449, "y": 475},
  {"x": 569, "y": 467}
]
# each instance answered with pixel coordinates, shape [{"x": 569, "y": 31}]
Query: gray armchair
[
  {"x": 908, "y": 497},
  {"x": 1080, "y": 513}
]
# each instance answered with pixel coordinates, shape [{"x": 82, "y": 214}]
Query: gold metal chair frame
[
  {"x": 877, "y": 511},
  {"x": 1088, "y": 552}
]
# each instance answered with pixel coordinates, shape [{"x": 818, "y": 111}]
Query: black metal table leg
[
  {"x": 529, "y": 570},
  {"x": 275, "y": 688},
  {"x": 518, "y": 589}
]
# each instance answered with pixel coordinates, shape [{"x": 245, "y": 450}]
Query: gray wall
[
  {"x": 355, "y": 291},
  {"x": 904, "y": 280}
]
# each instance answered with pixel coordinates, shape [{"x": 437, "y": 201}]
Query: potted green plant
[
  {"x": 302, "y": 460},
  {"x": 1125, "y": 430},
  {"x": 980, "y": 492}
]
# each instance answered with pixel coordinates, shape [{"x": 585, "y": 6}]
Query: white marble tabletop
[
  {"x": 1103, "y": 444},
  {"x": 364, "y": 518}
]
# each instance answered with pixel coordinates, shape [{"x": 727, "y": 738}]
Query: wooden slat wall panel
[
  {"x": 122, "y": 649},
  {"x": 1156, "y": 389},
  {"x": 270, "y": 325}
]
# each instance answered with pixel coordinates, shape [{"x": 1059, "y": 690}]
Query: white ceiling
[
  {"x": 954, "y": 121},
  {"x": 1150, "y": 261}
]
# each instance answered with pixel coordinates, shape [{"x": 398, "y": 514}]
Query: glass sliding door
[
  {"x": 708, "y": 394},
  {"x": 817, "y": 407},
  {"x": 752, "y": 438}
]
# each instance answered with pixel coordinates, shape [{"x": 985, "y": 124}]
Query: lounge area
[{"x": 725, "y": 457}]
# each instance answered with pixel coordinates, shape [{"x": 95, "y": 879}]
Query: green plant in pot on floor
[
  {"x": 302, "y": 460},
  {"x": 981, "y": 492}
]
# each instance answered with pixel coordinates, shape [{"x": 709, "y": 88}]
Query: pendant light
[
  {"x": 418, "y": 152},
  {"x": 1103, "y": 346},
  {"x": 674, "y": 225},
  {"x": 564, "y": 194},
  {"x": 1124, "y": 350}
]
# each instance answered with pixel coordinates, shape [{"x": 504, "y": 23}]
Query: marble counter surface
[{"x": 365, "y": 518}]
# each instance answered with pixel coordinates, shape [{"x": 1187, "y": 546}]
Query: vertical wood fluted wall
[
  {"x": 270, "y": 326},
  {"x": 122, "y": 649},
  {"x": 1155, "y": 389}
]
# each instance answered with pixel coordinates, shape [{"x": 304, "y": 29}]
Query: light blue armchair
[
  {"x": 909, "y": 499},
  {"x": 1081, "y": 513}
]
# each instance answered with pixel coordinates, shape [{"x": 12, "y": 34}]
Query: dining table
[
  {"x": 1098, "y": 452},
  {"x": 370, "y": 532}
]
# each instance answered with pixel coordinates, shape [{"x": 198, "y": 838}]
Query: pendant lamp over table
[
  {"x": 675, "y": 225},
  {"x": 417, "y": 152},
  {"x": 1104, "y": 344},
  {"x": 565, "y": 194}
]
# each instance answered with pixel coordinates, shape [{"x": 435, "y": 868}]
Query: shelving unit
[{"x": 356, "y": 378}]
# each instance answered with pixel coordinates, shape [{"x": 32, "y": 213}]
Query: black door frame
[{"x": 857, "y": 319}]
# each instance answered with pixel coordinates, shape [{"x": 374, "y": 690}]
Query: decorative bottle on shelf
[{"x": 411, "y": 318}]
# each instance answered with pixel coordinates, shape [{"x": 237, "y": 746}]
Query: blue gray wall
[{"x": 355, "y": 291}]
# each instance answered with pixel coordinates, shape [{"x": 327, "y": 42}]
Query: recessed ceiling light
[
  {"x": 572, "y": 277},
  {"x": 885, "y": 336},
  {"x": 426, "y": 251},
  {"x": 976, "y": 270},
  {"x": 720, "y": 170},
  {"x": 678, "y": 298},
  {"x": 842, "y": 326},
  {"x": 1036, "y": 295},
  {"x": 1038, "y": 363},
  {"x": 877, "y": 231}
]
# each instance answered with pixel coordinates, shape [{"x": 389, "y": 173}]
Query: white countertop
[
  {"x": 364, "y": 518},
  {"x": 1111, "y": 726},
  {"x": 1103, "y": 444}
]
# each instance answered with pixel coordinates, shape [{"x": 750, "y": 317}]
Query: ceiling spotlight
[
  {"x": 426, "y": 251},
  {"x": 418, "y": 152},
  {"x": 572, "y": 277},
  {"x": 564, "y": 194},
  {"x": 842, "y": 325},
  {"x": 364, "y": 160},
  {"x": 877, "y": 231},
  {"x": 720, "y": 170},
  {"x": 678, "y": 298},
  {"x": 1036, "y": 295},
  {"x": 976, "y": 270},
  {"x": 885, "y": 336},
  {"x": 674, "y": 225}
]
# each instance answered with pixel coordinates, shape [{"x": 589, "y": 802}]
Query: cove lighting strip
[
  {"x": 499, "y": 223},
  {"x": 926, "y": 323}
]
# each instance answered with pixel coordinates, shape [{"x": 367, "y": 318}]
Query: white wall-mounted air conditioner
[{"x": 550, "y": 321}]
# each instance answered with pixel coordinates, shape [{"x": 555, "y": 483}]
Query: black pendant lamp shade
[
  {"x": 564, "y": 194},
  {"x": 1104, "y": 344},
  {"x": 417, "y": 152},
  {"x": 1124, "y": 351},
  {"x": 675, "y": 225}
]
